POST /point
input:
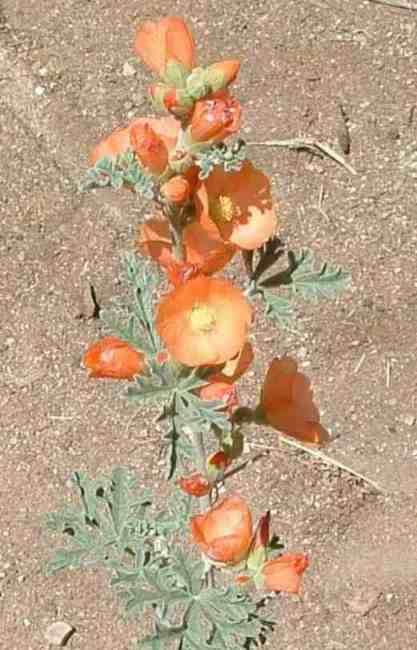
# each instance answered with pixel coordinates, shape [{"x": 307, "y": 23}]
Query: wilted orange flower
[
  {"x": 113, "y": 358},
  {"x": 287, "y": 403},
  {"x": 285, "y": 573},
  {"x": 223, "y": 73},
  {"x": 204, "y": 322},
  {"x": 169, "y": 39},
  {"x": 221, "y": 385},
  {"x": 215, "y": 117},
  {"x": 224, "y": 532},
  {"x": 238, "y": 205},
  {"x": 152, "y": 138},
  {"x": 195, "y": 485},
  {"x": 176, "y": 190},
  {"x": 206, "y": 252}
]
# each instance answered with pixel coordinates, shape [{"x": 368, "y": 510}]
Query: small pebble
[
  {"x": 128, "y": 69},
  {"x": 409, "y": 420},
  {"x": 58, "y": 633},
  {"x": 39, "y": 91}
]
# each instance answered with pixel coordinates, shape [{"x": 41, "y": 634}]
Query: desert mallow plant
[{"x": 186, "y": 352}]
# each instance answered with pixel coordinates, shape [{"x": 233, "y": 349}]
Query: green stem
[{"x": 201, "y": 462}]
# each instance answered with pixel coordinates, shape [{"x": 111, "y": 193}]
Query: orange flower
[
  {"x": 204, "y": 322},
  {"x": 169, "y": 39},
  {"x": 221, "y": 385},
  {"x": 151, "y": 138},
  {"x": 214, "y": 118},
  {"x": 176, "y": 190},
  {"x": 195, "y": 485},
  {"x": 222, "y": 74},
  {"x": 287, "y": 403},
  {"x": 113, "y": 358},
  {"x": 205, "y": 252},
  {"x": 285, "y": 573},
  {"x": 238, "y": 205},
  {"x": 224, "y": 532},
  {"x": 149, "y": 148}
]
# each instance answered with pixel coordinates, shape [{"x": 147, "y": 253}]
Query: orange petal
[
  {"x": 195, "y": 485},
  {"x": 285, "y": 573},
  {"x": 113, "y": 358},
  {"x": 169, "y": 39}
]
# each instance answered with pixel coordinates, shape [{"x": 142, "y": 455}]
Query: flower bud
[
  {"x": 113, "y": 358},
  {"x": 176, "y": 190},
  {"x": 259, "y": 546},
  {"x": 216, "y": 465},
  {"x": 174, "y": 100},
  {"x": 195, "y": 485},
  {"x": 149, "y": 148},
  {"x": 222, "y": 74},
  {"x": 215, "y": 118},
  {"x": 180, "y": 161}
]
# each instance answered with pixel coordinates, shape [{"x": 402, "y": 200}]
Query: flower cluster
[{"x": 203, "y": 322}]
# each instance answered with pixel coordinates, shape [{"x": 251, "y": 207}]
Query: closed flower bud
[
  {"x": 176, "y": 101},
  {"x": 113, "y": 358},
  {"x": 222, "y": 74},
  {"x": 215, "y": 118},
  {"x": 195, "y": 485},
  {"x": 176, "y": 190},
  {"x": 149, "y": 148}
]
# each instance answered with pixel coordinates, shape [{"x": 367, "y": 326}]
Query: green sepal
[
  {"x": 197, "y": 85},
  {"x": 256, "y": 559},
  {"x": 175, "y": 74},
  {"x": 215, "y": 79}
]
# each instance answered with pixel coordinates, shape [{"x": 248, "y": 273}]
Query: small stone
[
  {"x": 43, "y": 72},
  {"x": 26, "y": 622},
  {"x": 409, "y": 419},
  {"x": 58, "y": 633},
  {"x": 364, "y": 602},
  {"x": 39, "y": 91},
  {"x": 128, "y": 69}
]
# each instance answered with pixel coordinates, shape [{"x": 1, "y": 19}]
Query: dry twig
[
  {"x": 325, "y": 459},
  {"x": 395, "y": 4},
  {"x": 314, "y": 146}
]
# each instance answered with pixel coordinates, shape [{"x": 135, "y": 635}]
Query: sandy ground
[{"x": 62, "y": 87}]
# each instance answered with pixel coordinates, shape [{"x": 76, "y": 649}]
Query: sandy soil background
[{"x": 63, "y": 85}]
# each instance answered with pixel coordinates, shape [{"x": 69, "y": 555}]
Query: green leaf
[
  {"x": 230, "y": 157},
  {"x": 279, "y": 309},
  {"x": 113, "y": 519},
  {"x": 139, "y": 329},
  {"x": 116, "y": 172},
  {"x": 327, "y": 281}
]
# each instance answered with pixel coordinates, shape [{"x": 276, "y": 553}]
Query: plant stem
[{"x": 198, "y": 441}]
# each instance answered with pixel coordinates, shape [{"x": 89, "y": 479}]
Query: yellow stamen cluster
[
  {"x": 222, "y": 210},
  {"x": 202, "y": 317}
]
